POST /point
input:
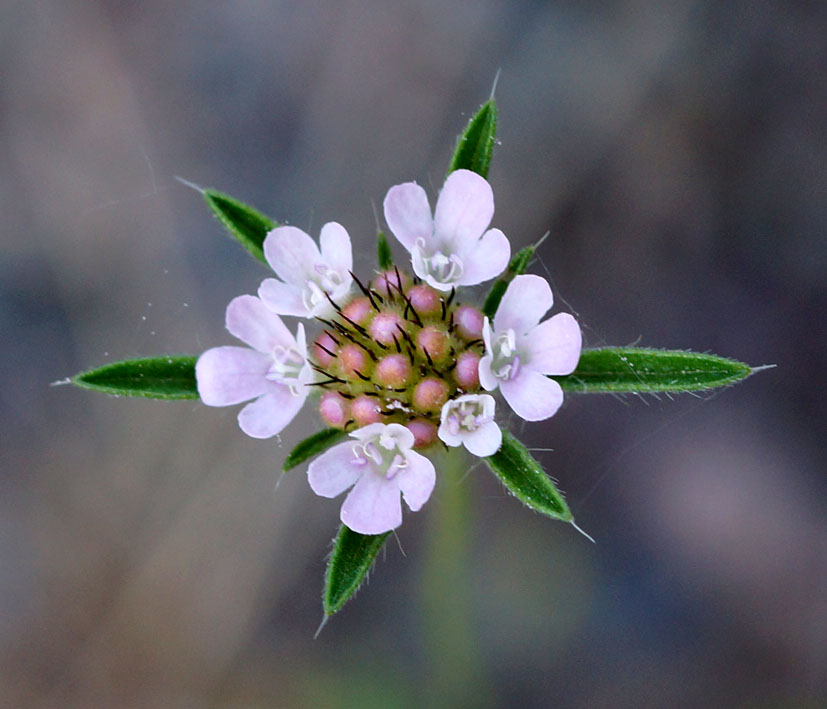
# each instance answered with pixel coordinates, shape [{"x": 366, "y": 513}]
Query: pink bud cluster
[{"x": 395, "y": 353}]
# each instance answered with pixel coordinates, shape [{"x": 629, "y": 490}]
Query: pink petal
[
  {"x": 464, "y": 209},
  {"x": 291, "y": 254},
  {"x": 336, "y": 248},
  {"x": 532, "y": 396},
  {"x": 416, "y": 481},
  {"x": 526, "y": 300},
  {"x": 373, "y": 506},
  {"x": 485, "y": 441},
  {"x": 553, "y": 347},
  {"x": 485, "y": 259},
  {"x": 230, "y": 375},
  {"x": 256, "y": 325},
  {"x": 282, "y": 298},
  {"x": 267, "y": 416},
  {"x": 408, "y": 214},
  {"x": 334, "y": 471}
]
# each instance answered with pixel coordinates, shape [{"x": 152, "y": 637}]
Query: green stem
[{"x": 455, "y": 677}]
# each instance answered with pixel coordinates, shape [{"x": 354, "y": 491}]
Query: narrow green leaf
[
  {"x": 164, "y": 377},
  {"x": 246, "y": 224},
  {"x": 312, "y": 446},
  {"x": 476, "y": 143},
  {"x": 518, "y": 264},
  {"x": 383, "y": 252},
  {"x": 526, "y": 479},
  {"x": 638, "y": 369},
  {"x": 352, "y": 557}
]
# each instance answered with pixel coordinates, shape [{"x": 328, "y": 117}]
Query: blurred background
[{"x": 675, "y": 151}]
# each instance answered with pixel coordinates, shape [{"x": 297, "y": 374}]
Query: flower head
[
  {"x": 274, "y": 372},
  {"x": 469, "y": 421},
  {"x": 310, "y": 278},
  {"x": 379, "y": 465},
  {"x": 519, "y": 352},
  {"x": 452, "y": 248}
]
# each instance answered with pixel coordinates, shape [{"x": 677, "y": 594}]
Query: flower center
[
  {"x": 286, "y": 367},
  {"x": 326, "y": 280},
  {"x": 442, "y": 268},
  {"x": 383, "y": 452},
  {"x": 505, "y": 360},
  {"x": 467, "y": 417}
]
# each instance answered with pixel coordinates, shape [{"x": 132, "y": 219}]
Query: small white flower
[
  {"x": 519, "y": 352},
  {"x": 469, "y": 420},
  {"x": 274, "y": 370},
  {"x": 452, "y": 248},
  {"x": 379, "y": 465},
  {"x": 307, "y": 275}
]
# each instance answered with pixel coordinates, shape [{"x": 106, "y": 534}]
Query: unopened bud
[
  {"x": 433, "y": 340},
  {"x": 334, "y": 409},
  {"x": 353, "y": 359},
  {"x": 425, "y": 300},
  {"x": 393, "y": 371},
  {"x": 467, "y": 371},
  {"x": 390, "y": 280},
  {"x": 324, "y": 349},
  {"x": 385, "y": 327},
  {"x": 468, "y": 322},
  {"x": 365, "y": 410},
  {"x": 430, "y": 394},
  {"x": 424, "y": 432},
  {"x": 358, "y": 310}
]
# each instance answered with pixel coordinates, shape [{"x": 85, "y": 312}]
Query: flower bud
[
  {"x": 324, "y": 349},
  {"x": 467, "y": 371},
  {"x": 430, "y": 394},
  {"x": 353, "y": 359},
  {"x": 468, "y": 322},
  {"x": 365, "y": 410},
  {"x": 390, "y": 279},
  {"x": 334, "y": 409},
  {"x": 393, "y": 371},
  {"x": 385, "y": 327},
  {"x": 425, "y": 300},
  {"x": 433, "y": 340},
  {"x": 358, "y": 310},
  {"x": 424, "y": 432}
]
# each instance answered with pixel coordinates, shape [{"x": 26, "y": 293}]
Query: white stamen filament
[
  {"x": 505, "y": 360},
  {"x": 444, "y": 269},
  {"x": 286, "y": 367}
]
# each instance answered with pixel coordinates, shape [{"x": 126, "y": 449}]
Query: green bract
[
  {"x": 526, "y": 480},
  {"x": 639, "y": 369},
  {"x": 476, "y": 143},
  {"x": 164, "y": 377},
  {"x": 247, "y": 225},
  {"x": 353, "y": 555}
]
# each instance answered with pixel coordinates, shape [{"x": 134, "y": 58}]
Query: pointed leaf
[
  {"x": 638, "y": 369},
  {"x": 383, "y": 252},
  {"x": 518, "y": 264},
  {"x": 476, "y": 143},
  {"x": 164, "y": 377},
  {"x": 352, "y": 557},
  {"x": 246, "y": 224},
  {"x": 312, "y": 446},
  {"x": 526, "y": 480}
]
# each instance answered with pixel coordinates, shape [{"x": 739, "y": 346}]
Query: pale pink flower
[
  {"x": 452, "y": 248},
  {"x": 274, "y": 372},
  {"x": 469, "y": 421},
  {"x": 519, "y": 352},
  {"x": 309, "y": 277},
  {"x": 379, "y": 465}
]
